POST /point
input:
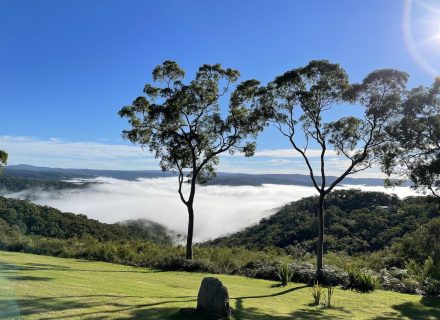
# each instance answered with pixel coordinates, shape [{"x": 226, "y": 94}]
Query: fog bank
[{"x": 219, "y": 209}]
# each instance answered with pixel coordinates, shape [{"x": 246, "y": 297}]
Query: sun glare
[{"x": 421, "y": 24}]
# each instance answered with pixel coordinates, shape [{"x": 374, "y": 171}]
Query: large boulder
[{"x": 213, "y": 299}]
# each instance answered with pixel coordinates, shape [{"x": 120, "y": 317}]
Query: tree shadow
[
  {"x": 28, "y": 278},
  {"x": 273, "y": 294},
  {"x": 427, "y": 308},
  {"x": 97, "y": 307},
  {"x": 4, "y": 266}
]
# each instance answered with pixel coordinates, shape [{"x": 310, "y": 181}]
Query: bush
[
  {"x": 179, "y": 263},
  {"x": 285, "y": 274},
  {"x": 330, "y": 292},
  {"x": 317, "y": 293},
  {"x": 304, "y": 272},
  {"x": 361, "y": 281},
  {"x": 431, "y": 287},
  {"x": 261, "y": 269}
]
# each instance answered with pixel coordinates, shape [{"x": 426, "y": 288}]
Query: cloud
[
  {"x": 291, "y": 153},
  {"x": 54, "y": 152},
  {"x": 219, "y": 210}
]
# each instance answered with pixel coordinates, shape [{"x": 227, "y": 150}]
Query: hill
[
  {"x": 31, "y": 219},
  {"x": 355, "y": 222},
  {"x": 37, "y": 287},
  {"x": 233, "y": 179},
  {"x": 12, "y": 183}
]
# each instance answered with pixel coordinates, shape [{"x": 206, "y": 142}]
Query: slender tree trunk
[
  {"x": 189, "y": 239},
  {"x": 320, "y": 244}
]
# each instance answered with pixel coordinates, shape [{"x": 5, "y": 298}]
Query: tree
[
  {"x": 296, "y": 102},
  {"x": 3, "y": 158},
  {"x": 415, "y": 148},
  {"x": 182, "y": 124}
]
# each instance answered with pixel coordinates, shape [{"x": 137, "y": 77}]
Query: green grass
[{"x": 39, "y": 287}]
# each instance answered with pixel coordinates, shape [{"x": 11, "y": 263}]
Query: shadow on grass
[
  {"x": 27, "y": 278},
  {"x": 4, "y": 266},
  {"x": 427, "y": 308},
  {"x": 96, "y": 307}
]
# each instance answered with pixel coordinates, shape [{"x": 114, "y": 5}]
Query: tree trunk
[
  {"x": 320, "y": 244},
  {"x": 189, "y": 239}
]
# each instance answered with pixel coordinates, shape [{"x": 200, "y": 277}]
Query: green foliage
[
  {"x": 17, "y": 184},
  {"x": 361, "y": 281},
  {"x": 317, "y": 293},
  {"x": 296, "y": 102},
  {"x": 330, "y": 292},
  {"x": 421, "y": 250},
  {"x": 414, "y": 152},
  {"x": 182, "y": 124},
  {"x": 3, "y": 158},
  {"x": 31, "y": 219},
  {"x": 357, "y": 222},
  {"x": 285, "y": 274}
]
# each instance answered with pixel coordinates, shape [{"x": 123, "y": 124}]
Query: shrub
[
  {"x": 334, "y": 276},
  {"x": 304, "y": 272},
  {"x": 179, "y": 263},
  {"x": 330, "y": 292},
  {"x": 361, "y": 281},
  {"x": 261, "y": 269},
  {"x": 431, "y": 287},
  {"x": 285, "y": 274},
  {"x": 317, "y": 293}
]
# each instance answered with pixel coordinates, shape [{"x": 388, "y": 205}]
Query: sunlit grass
[{"x": 39, "y": 287}]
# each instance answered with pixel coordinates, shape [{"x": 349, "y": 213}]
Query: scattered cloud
[{"x": 55, "y": 152}]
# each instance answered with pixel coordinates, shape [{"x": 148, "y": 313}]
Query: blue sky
[{"x": 67, "y": 67}]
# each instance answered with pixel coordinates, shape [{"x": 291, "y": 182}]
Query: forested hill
[
  {"x": 16, "y": 184},
  {"x": 31, "y": 219},
  {"x": 355, "y": 222}
]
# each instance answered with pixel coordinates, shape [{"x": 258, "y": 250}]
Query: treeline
[
  {"x": 31, "y": 219},
  {"x": 9, "y": 183},
  {"x": 356, "y": 222}
]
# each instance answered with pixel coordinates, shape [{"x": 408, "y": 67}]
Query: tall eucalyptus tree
[
  {"x": 185, "y": 128},
  {"x": 298, "y": 103}
]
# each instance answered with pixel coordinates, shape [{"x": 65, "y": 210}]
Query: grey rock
[{"x": 213, "y": 299}]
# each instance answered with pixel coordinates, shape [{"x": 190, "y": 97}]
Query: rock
[{"x": 213, "y": 299}]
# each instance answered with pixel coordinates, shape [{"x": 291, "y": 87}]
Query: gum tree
[
  {"x": 415, "y": 149},
  {"x": 3, "y": 158},
  {"x": 183, "y": 125},
  {"x": 297, "y": 103}
]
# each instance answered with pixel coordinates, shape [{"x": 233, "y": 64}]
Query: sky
[{"x": 67, "y": 67}]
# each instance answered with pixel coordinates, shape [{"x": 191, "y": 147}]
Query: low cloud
[{"x": 219, "y": 210}]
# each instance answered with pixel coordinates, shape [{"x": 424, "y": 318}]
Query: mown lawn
[{"x": 38, "y": 287}]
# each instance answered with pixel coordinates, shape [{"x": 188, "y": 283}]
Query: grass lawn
[{"x": 38, "y": 287}]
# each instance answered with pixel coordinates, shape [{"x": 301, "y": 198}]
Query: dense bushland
[
  {"x": 10, "y": 183},
  {"x": 31, "y": 219},
  {"x": 356, "y": 221}
]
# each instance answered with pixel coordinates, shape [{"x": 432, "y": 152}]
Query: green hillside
[
  {"x": 355, "y": 222},
  {"x": 30, "y": 219},
  {"x": 38, "y": 287}
]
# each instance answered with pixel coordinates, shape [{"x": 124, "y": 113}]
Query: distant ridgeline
[
  {"x": 355, "y": 222},
  {"x": 10, "y": 183},
  {"x": 31, "y": 219},
  {"x": 230, "y": 179}
]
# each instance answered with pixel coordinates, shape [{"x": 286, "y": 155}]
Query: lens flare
[{"x": 421, "y": 27}]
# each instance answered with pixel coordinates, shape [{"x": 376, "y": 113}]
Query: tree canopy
[
  {"x": 415, "y": 148},
  {"x": 297, "y": 101},
  {"x": 183, "y": 126}
]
